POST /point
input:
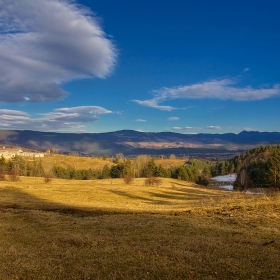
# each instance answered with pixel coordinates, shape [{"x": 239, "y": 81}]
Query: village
[{"x": 9, "y": 153}]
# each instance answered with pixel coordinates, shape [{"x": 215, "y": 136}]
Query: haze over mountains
[{"x": 132, "y": 143}]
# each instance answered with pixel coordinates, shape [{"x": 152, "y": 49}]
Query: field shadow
[
  {"x": 203, "y": 190},
  {"x": 145, "y": 199},
  {"x": 13, "y": 198},
  {"x": 156, "y": 197},
  {"x": 177, "y": 183},
  {"x": 177, "y": 196}
]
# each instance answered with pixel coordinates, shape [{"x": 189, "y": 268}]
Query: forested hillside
[
  {"x": 143, "y": 166},
  {"x": 259, "y": 167}
]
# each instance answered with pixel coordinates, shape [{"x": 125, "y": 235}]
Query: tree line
[
  {"x": 259, "y": 167},
  {"x": 19, "y": 166},
  {"x": 142, "y": 166}
]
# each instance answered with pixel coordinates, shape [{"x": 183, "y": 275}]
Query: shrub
[
  {"x": 237, "y": 186},
  {"x": 273, "y": 191},
  {"x": 13, "y": 175},
  {"x": 128, "y": 179},
  {"x": 153, "y": 181},
  {"x": 48, "y": 178},
  {"x": 203, "y": 180},
  {"x": 2, "y": 177}
]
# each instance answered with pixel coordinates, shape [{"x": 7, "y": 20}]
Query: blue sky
[{"x": 183, "y": 66}]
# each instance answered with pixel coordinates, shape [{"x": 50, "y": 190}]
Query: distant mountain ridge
[{"x": 133, "y": 143}]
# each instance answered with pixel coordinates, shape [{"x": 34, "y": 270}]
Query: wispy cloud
[
  {"x": 217, "y": 89},
  {"x": 223, "y": 89},
  {"x": 246, "y": 70},
  {"x": 193, "y": 128},
  {"x": 212, "y": 127},
  {"x": 63, "y": 119},
  {"x": 140, "y": 120},
  {"x": 182, "y": 128},
  {"x": 44, "y": 43},
  {"x": 173, "y": 119},
  {"x": 153, "y": 103}
]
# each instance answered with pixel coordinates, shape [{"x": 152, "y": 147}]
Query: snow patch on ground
[
  {"x": 225, "y": 178},
  {"x": 225, "y": 181},
  {"x": 228, "y": 187},
  {"x": 249, "y": 192}
]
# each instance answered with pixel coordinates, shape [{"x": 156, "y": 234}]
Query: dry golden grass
[
  {"x": 172, "y": 195},
  {"x": 74, "y": 161},
  {"x": 95, "y": 163},
  {"x": 166, "y": 163},
  {"x": 105, "y": 229}
]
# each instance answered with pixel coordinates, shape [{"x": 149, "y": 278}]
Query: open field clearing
[
  {"x": 167, "y": 163},
  {"x": 104, "y": 229},
  {"x": 96, "y": 163},
  {"x": 74, "y": 161}
]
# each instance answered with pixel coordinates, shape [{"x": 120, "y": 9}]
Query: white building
[{"x": 9, "y": 153}]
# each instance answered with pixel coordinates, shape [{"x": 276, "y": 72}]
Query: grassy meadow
[
  {"x": 74, "y": 161},
  {"x": 105, "y": 229},
  {"x": 96, "y": 163}
]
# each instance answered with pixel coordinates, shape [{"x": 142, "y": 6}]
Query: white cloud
[
  {"x": 246, "y": 70},
  {"x": 140, "y": 120},
  {"x": 44, "y": 43},
  {"x": 223, "y": 89},
  {"x": 77, "y": 114},
  {"x": 4, "y": 112},
  {"x": 153, "y": 103},
  {"x": 173, "y": 119},
  {"x": 63, "y": 119},
  {"x": 210, "y": 127},
  {"x": 217, "y": 89},
  {"x": 182, "y": 128}
]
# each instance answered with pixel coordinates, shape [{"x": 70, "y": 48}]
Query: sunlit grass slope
[
  {"x": 110, "y": 195},
  {"x": 95, "y": 163},
  {"x": 76, "y": 162},
  {"x": 104, "y": 229}
]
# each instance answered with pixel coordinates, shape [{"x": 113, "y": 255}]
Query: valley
[{"x": 132, "y": 143}]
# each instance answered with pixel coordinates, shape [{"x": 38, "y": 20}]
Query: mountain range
[{"x": 132, "y": 143}]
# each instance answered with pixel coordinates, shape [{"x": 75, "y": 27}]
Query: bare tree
[
  {"x": 172, "y": 156},
  {"x": 55, "y": 150},
  {"x": 120, "y": 156},
  {"x": 140, "y": 163}
]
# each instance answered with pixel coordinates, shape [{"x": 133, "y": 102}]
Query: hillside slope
[{"x": 132, "y": 143}]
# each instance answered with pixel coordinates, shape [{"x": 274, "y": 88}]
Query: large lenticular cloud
[{"x": 46, "y": 42}]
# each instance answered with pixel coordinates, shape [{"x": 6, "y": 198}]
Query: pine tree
[
  {"x": 128, "y": 169},
  {"x": 274, "y": 167},
  {"x": 105, "y": 172},
  {"x": 183, "y": 174},
  {"x": 2, "y": 165},
  {"x": 150, "y": 168}
]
